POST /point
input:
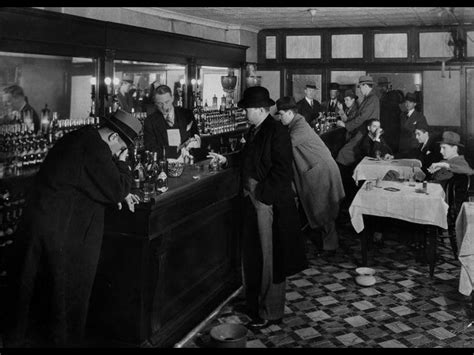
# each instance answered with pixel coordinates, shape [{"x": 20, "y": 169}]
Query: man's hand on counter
[
  {"x": 131, "y": 200},
  {"x": 221, "y": 160}
]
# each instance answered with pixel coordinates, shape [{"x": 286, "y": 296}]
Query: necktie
[
  {"x": 311, "y": 104},
  {"x": 169, "y": 120}
]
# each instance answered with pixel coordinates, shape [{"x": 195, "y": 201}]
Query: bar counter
[{"x": 164, "y": 268}]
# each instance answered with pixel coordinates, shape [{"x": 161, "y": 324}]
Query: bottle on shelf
[
  {"x": 214, "y": 102},
  {"x": 45, "y": 119}
]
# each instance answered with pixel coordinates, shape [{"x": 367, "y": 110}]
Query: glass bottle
[
  {"x": 214, "y": 101},
  {"x": 138, "y": 171},
  {"x": 162, "y": 179}
]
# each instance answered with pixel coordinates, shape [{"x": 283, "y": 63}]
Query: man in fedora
[
  {"x": 331, "y": 104},
  {"x": 272, "y": 245},
  {"x": 349, "y": 154},
  {"x": 316, "y": 177},
  {"x": 308, "y": 106},
  {"x": 125, "y": 92},
  {"x": 408, "y": 121},
  {"x": 453, "y": 163},
  {"x": 59, "y": 240}
]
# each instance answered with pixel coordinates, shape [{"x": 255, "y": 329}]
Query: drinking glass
[
  {"x": 378, "y": 154},
  {"x": 148, "y": 190}
]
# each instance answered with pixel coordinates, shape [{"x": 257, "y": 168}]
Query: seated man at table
[
  {"x": 171, "y": 128},
  {"x": 453, "y": 163},
  {"x": 372, "y": 144}
]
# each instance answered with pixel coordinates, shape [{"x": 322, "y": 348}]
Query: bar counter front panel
[{"x": 164, "y": 268}]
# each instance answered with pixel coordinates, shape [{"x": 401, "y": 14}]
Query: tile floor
[{"x": 326, "y": 308}]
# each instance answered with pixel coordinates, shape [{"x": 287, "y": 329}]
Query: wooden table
[
  {"x": 465, "y": 240},
  {"x": 405, "y": 204},
  {"x": 371, "y": 168}
]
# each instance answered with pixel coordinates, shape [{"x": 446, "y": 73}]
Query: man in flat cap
[
  {"x": 349, "y": 155},
  {"x": 272, "y": 245},
  {"x": 59, "y": 240},
  {"x": 331, "y": 104},
  {"x": 408, "y": 121},
  {"x": 315, "y": 174},
  {"x": 308, "y": 106}
]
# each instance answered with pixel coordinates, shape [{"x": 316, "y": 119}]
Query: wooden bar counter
[{"x": 164, "y": 268}]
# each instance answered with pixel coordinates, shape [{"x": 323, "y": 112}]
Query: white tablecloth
[
  {"x": 405, "y": 204},
  {"x": 465, "y": 240},
  {"x": 371, "y": 169}
]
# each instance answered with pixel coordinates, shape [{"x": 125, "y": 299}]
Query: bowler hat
[
  {"x": 383, "y": 81},
  {"x": 451, "y": 138},
  {"x": 256, "y": 96},
  {"x": 333, "y": 86},
  {"x": 366, "y": 79},
  {"x": 411, "y": 96},
  {"x": 286, "y": 103},
  {"x": 311, "y": 86},
  {"x": 350, "y": 93},
  {"x": 126, "y": 125}
]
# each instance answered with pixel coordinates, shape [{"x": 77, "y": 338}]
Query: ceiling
[{"x": 258, "y": 18}]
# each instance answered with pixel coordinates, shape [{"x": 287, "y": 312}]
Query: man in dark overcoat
[
  {"x": 308, "y": 106},
  {"x": 408, "y": 121},
  {"x": 59, "y": 239},
  {"x": 334, "y": 100},
  {"x": 167, "y": 118},
  {"x": 272, "y": 245}
]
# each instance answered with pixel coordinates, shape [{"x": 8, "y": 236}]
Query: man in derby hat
[
  {"x": 308, "y": 106},
  {"x": 453, "y": 163},
  {"x": 331, "y": 104},
  {"x": 272, "y": 245},
  {"x": 316, "y": 176},
  {"x": 349, "y": 154},
  {"x": 408, "y": 121},
  {"x": 61, "y": 233}
]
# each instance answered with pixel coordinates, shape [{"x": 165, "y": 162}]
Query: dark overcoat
[
  {"x": 408, "y": 140},
  {"x": 390, "y": 118},
  {"x": 62, "y": 229},
  {"x": 271, "y": 158},
  {"x": 308, "y": 112}
]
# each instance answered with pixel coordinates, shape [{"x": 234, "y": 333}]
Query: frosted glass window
[
  {"x": 347, "y": 46},
  {"x": 271, "y": 81},
  {"x": 299, "y": 82},
  {"x": 435, "y": 44},
  {"x": 303, "y": 47},
  {"x": 391, "y": 45},
  {"x": 270, "y": 47},
  {"x": 470, "y": 43}
]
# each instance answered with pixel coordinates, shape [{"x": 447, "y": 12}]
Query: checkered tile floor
[{"x": 326, "y": 308}]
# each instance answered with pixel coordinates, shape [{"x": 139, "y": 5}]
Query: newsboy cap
[
  {"x": 256, "y": 96},
  {"x": 286, "y": 103}
]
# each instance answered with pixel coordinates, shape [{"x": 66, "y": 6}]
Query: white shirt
[
  {"x": 310, "y": 102},
  {"x": 410, "y": 112}
]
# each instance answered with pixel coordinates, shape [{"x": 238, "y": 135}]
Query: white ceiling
[{"x": 257, "y": 18}]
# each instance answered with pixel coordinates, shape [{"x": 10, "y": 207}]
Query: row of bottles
[
  {"x": 148, "y": 169},
  {"x": 216, "y": 121},
  {"x": 325, "y": 122},
  {"x": 11, "y": 210}
]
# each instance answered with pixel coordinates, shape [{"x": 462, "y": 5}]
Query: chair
[{"x": 457, "y": 192}]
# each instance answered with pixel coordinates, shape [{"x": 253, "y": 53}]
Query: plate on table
[{"x": 392, "y": 189}]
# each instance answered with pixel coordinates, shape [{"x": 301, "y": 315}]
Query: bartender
[{"x": 173, "y": 128}]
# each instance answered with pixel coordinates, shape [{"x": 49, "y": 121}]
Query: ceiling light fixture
[{"x": 313, "y": 13}]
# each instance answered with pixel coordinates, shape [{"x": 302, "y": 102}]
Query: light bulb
[
  {"x": 182, "y": 81},
  {"x": 193, "y": 81},
  {"x": 199, "y": 81},
  {"x": 116, "y": 81},
  {"x": 107, "y": 81}
]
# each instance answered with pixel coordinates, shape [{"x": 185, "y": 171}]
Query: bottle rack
[{"x": 212, "y": 121}]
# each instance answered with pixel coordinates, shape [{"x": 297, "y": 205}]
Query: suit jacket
[
  {"x": 268, "y": 159},
  {"x": 315, "y": 173},
  {"x": 428, "y": 154},
  {"x": 368, "y": 108},
  {"x": 407, "y": 131},
  {"x": 368, "y": 147},
  {"x": 155, "y": 136},
  {"x": 308, "y": 112}
]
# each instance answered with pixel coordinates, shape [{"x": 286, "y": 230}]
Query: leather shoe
[{"x": 259, "y": 323}]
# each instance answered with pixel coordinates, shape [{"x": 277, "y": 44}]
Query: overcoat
[
  {"x": 407, "y": 130},
  {"x": 316, "y": 175},
  {"x": 270, "y": 157},
  {"x": 62, "y": 230}
]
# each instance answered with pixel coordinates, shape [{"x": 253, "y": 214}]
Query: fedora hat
[
  {"x": 411, "y": 96},
  {"x": 383, "y": 81},
  {"x": 333, "y": 86},
  {"x": 451, "y": 138},
  {"x": 286, "y": 103},
  {"x": 256, "y": 96},
  {"x": 126, "y": 125},
  {"x": 311, "y": 86},
  {"x": 350, "y": 93},
  {"x": 127, "y": 77},
  {"x": 366, "y": 79}
]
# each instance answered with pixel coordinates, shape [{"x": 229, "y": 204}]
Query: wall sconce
[{"x": 417, "y": 81}]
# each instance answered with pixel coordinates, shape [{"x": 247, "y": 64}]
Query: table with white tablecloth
[
  {"x": 371, "y": 168},
  {"x": 465, "y": 240},
  {"x": 404, "y": 202}
]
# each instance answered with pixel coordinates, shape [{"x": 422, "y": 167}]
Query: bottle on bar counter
[
  {"x": 138, "y": 170},
  {"x": 162, "y": 179}
]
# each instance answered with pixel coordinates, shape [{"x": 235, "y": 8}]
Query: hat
[
  {"x": 451, "y": 138},
  {"x": 333, "y": 86},
  {"x": 422, "y": 126},
  {"x": 286, "y": 103},
  {"x": 127, "y": 126},
  {"x": 350, "y": 93},
  {"x": 382, "y": 81},
  {"x": 127, "y": 77},
  {"x": 366, "y": 79},
  {"x": 311, "y": 86},
  {"x": 411, "y": 96},
  {"x": 256, "y": 96}
]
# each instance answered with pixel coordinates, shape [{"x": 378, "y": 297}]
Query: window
[
  {"x": 347, "y": 46},
  {"x": 391, "y": 45},
  {"x": 435, "y": 45},
  {"x": 270, "y": 47},
  {"x": 303, "y": 47}
]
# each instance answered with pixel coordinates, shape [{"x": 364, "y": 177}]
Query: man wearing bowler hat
[
  {"x": 59, "y": 240},
  {"x": 453, "y": 163},
  {"x": 331, "y": 104},
  {"x": 272, "y": 245},
  {"x": 408, "y": 122},
  {"x": 308, "y": 106}
]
